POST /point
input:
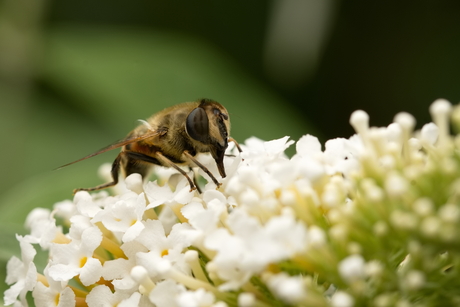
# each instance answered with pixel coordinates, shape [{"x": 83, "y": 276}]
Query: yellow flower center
[
  {"x": 83, "y": 261},
  {"x": 56, "y": 299}
]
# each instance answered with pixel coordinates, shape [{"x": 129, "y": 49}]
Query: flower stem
[
  {"x": 176, "y": 209},
  {"x": 113, "y": 248},
  {"x": 193, "y": 261}
]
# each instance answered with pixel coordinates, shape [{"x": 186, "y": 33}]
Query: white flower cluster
[{"x": 339, "y": 227}]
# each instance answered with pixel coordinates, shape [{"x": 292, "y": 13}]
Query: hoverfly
[{"x": 170, "y": 138}]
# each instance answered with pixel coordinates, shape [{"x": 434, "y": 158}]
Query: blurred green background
[{"x": 76, "y": 75}]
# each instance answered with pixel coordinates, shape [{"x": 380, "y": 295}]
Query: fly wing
[{"x": 118, "y": 144}]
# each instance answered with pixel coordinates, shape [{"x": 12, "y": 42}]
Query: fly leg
[
  {"x": 159, "y": 157},
  {"x": 230, "y": 139},
  {"x": 204, "y": 168},
  {"x": 114, "y": 172},
  {"x": 195, "y": 181}
]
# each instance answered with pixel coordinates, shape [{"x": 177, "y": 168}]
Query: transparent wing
[{"x": 118, "y": 144}]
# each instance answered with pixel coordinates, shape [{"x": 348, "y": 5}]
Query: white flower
[
  {"x": 197, "y": 298},
  {"x": 253, "y": 246},
  {"x": 56, "y": 293},
  {"x": 308, "y": 145},
  {"x": 165, "y": 294},
  {"x": 414, "y": 280},
  {"x": 119, "y": 270},
  {"x": 255, "y": 148},
  {"x": 35, "y": 217},
  {"x": 316, "y": 236},
  {"x": 395, "y": 184},
  {"x": 352, "y": 268},
  {"x": 360, "y": 121},
  {"x": 309, "y": 165},
  {"x": 88, "y": 205},
  {"x": 159, "y": 195},
  {"x": 43, "y": 229},
  {"x": 429, "y": 133},
  {"x": 76, "y": 258},
  {"x": 22, "y": 273},
  {"x": 135, "y": 183},
  {"x": 226, "y": 264},
  {"x": 290, "y": 289},
  {"x": 278, "y": 231},
  {"x": 65, "y": 209},
  {"x": 374, "y": 268},
  {"x": 340, "y": 155},
  {"x": 164, "y": 249},
  {"x": 201, "y": 219},
  {"x": 102, "y": 296},
  {"x": 246, "y": 299},
  {"x": 264, "y": 170},
  {"x": 449, "y": 213},
  {"x": 204, "y": 220},
  {"x": 342, "y": 299},
  {"x": 47, "y": 296},
  {"x": 124, "y": 216}
]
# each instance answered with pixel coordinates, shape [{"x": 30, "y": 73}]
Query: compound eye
[{"x": 197, "y": 125}]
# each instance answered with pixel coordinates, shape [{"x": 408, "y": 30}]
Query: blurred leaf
[
  {"x": 43, "y": 191},
  {"x": 10, "y": 245},
  {"x": 122, "y": 74}
]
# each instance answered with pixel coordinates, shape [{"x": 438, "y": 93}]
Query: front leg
[
  {"x": 204, "y": 168},
  {"x": 230, "y": 139},
  {"x": 159, "y": 157}
]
